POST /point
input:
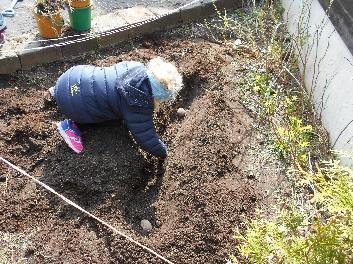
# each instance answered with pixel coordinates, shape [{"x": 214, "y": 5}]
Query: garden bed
[{"x": 218, "y": 171}]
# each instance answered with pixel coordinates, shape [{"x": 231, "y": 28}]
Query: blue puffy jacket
[{"x": 89, "y": 94}]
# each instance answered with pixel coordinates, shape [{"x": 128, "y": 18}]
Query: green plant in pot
[{"x": 48, "y": 17}]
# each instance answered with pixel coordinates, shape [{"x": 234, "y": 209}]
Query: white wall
[{"x": 327, "y": 59}]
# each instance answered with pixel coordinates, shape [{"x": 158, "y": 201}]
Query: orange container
[
  {"x": 79, "y": 3},
  {"x": 50, "y": 25}
]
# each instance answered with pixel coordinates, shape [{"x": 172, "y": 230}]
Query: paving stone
[
  {"x": 108, "y": 22},
  {"x": 135, "y": 14}
]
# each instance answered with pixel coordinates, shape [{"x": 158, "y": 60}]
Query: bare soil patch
[{"x": 216, "y": 174}]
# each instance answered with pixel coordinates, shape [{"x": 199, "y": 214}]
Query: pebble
[
  {"x": 238, "y": 42},
  {"x": 181, "y": 112},
  {"x": 146, "y": 225}
]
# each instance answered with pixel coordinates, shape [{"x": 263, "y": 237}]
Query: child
[
  {"x": 128, "y": 90},
  {"x": 2, "y": 29}
]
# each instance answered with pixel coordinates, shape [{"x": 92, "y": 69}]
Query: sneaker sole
[{"x": 66, "y": 138}]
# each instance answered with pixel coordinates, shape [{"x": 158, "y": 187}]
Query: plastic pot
[
  {"x": 49, "y": 25},
  {"x": 80, "y": 18}
]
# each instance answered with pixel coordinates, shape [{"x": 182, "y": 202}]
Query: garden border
[{"x": 26, "y": 59}]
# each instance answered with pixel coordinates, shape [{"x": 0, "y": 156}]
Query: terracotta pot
[
  {"x": 49, "y": 25},
  {"x": 79, "y": 3}
]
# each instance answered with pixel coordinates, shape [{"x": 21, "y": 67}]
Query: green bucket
[{"x": 80, "y": 18}]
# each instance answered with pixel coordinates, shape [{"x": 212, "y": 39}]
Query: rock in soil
[
  {"x": 146, "y": 225},
  {"x": 181, "y": 112}
]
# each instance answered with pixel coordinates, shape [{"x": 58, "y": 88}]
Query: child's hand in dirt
[{"x": 160, "y": 159}]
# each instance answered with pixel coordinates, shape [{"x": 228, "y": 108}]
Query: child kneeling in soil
[{"x": 128, "y": 90}]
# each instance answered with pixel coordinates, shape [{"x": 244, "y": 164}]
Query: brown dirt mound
[{"x": 194, "y": 200}]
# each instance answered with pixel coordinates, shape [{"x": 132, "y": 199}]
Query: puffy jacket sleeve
[
  {"x": 142, "y": 128},
  {"x": 137, "y": 107}
]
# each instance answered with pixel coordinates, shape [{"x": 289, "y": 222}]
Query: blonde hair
[{"x": 167, "y": 74}]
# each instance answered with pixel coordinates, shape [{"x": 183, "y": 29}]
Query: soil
[{"x": 217, "y": 172}]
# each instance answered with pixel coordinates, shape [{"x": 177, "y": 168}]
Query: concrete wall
[
  {"x": 329, "y": 69},
  {"x": 341, "y": 15}
]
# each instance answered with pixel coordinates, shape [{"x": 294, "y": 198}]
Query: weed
[
  {"x": 260, "y": 84},
  {"x": 295, "y": 237},
  {"x": 292, "y": 141},
  {"x": 321, "y": 231},
  {"x": 291, "y": 137}
]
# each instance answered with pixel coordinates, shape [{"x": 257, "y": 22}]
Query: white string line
[
  {"x": 90, "y": 35},
  {"x": 84, "y": 211}
]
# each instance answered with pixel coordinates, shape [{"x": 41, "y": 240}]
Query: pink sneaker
[{"x": 71, "y": 134}]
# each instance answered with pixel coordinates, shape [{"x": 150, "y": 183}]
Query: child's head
[{"x": 167, "y": 74}]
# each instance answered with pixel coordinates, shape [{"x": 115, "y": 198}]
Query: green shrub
[
  {"x": 297, "y": 237},
  {"x": 292, "y": 140},
  {"x": 260, "y": 83},
  {"x": 321, "y": 231}
]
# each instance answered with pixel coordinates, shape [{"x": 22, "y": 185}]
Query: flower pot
[
  {"x": 80, "y": 18},
  {"x": 49, "y": 25},
  {"x": 79, "y": 3}
]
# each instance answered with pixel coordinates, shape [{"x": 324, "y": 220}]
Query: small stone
[
  {"x": 181, "y": 112},
  {"x": 238, "y": 42},
  {"x": 146, "y": 225}
]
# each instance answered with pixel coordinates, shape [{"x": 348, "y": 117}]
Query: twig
[
  {"x": 340, "y": 134},
  {"x": 295, "y": 78}
]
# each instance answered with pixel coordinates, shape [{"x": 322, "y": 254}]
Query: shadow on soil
[{"x": 111, "y": 176}]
